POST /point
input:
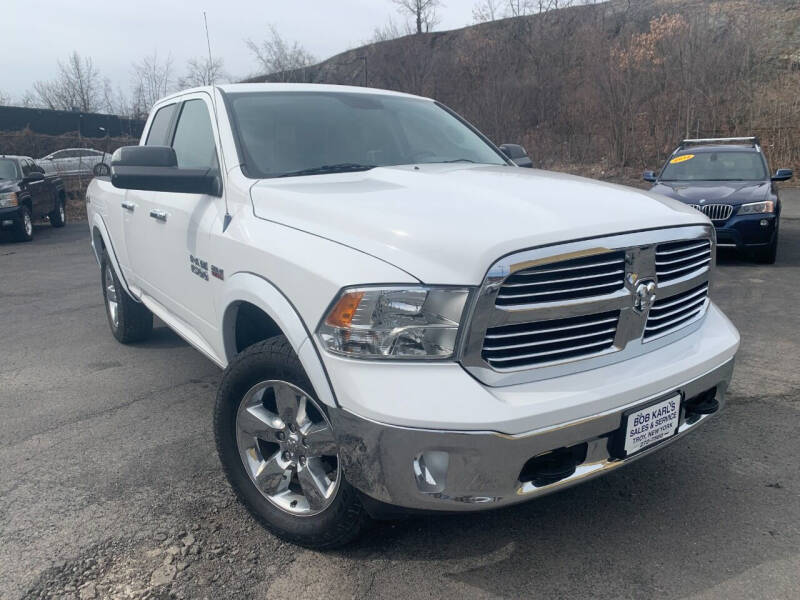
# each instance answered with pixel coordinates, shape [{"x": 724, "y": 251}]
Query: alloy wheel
[
  {"x": 287, "y": 447},
  {"x": 111, "y": 297}
]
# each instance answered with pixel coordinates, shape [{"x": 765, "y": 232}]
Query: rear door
[
  {"x": 172, "y": 257},
  {"x": 40, "y": 196}
]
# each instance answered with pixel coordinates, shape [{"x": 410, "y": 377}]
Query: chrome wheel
[
  {"x": 287, "y": 447},
  {"x": 27, "y": 224},
  {"x": 112, "y": 302},
  {"x": 61, "y": 212}
]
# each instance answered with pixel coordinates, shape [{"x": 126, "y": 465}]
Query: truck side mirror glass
[
  {"x": 517, "y": 154},
  {"x": 155, "y": 169},
  {"x": 649, "y": 176}
]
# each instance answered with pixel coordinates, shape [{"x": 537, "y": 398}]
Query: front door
[{"x": 171, "y": 256}]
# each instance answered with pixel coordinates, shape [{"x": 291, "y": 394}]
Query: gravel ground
[{"x": 110, "y": 486}]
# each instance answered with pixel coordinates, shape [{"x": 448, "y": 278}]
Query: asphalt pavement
[{"x": 110, "y": 486}]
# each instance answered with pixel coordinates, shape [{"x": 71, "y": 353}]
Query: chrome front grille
[
  {"x": 565, "y": 308},
  {"x": 546, "y": 341},
  {"x": 570, "y": 279},
  {"x": 715, "y": 212},
  {"x": 678, "y": 259},
  {"x": 674, "y": 312}
]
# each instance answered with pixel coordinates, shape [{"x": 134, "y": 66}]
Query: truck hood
[
  {"x": 448, "y": 223},
  {"x": 725, "y": 192}
]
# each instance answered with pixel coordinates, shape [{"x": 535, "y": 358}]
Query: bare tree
[
  {"x": 77, "y": 86},
  {"x": 390, "y": 31},
  {"x": 5, "y": 99},
  {"x": 152, "y": 79},
  {"x": 422, "y": 11},
  {"x": 486, "y": 10},
  {"x": 276, "y": 56},
  {"x": 202, "y": 71}
]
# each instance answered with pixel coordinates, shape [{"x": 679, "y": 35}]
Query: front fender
[{"x": 260, "y": 292}]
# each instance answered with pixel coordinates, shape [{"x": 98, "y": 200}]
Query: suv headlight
[
  {"x": 8, "y": 200},
  {"x": 757, "y": 208},
  {"x": 408, "y": 322}
]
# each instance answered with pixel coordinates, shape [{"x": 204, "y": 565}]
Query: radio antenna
[{"x": 211, "y": 72}]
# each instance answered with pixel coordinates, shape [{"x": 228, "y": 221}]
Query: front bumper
[
  {"x": 470, "y": 450},
  {"x": 9, "y": 217},
  {"x": 747, "y": 231}
]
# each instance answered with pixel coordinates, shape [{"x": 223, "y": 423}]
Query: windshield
[
  {"x": 715, "y": 166},
  {"x": 8, "y": 169},
  {"x": 306, "y": 133}
]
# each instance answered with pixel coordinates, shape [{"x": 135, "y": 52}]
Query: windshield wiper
[
  {"x": 323, "y": 169},
  {"x": 455, "y": 160}
]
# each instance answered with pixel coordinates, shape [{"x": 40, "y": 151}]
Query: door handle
[
  {"x": 159, "y": 215},
  {"x": 128, "y": 206}
]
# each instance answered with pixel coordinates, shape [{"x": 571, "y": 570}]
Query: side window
[
  {"x": 26, "y": 167},
  {"x": 159, "y": 129},
  {"x": 194, "y": 138}
]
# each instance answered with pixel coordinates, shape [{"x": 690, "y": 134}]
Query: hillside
[{"x": 610, "y": 86}]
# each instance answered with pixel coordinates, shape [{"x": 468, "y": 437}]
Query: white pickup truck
[{"x": 407, "y": 320}]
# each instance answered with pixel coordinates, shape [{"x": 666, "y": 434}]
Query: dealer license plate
[{"x": 648, "y": 426}]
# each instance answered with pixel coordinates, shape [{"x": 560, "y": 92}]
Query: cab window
[
  {"x": 159, "y": 129},
  {"x": 194, "y": 138}
]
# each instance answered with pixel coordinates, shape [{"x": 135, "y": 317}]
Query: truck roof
[
  {"x": 716, "y": 148},
  {"x": 293, "y": 87}
]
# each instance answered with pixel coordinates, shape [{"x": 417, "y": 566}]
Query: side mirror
[
  {"x": 782, "y": 175},
  {"x": 517, "y": 154},
  {"x": 155, "y": 169},
  {"x": 33, "y": 176},
  {"x": 649, "y": 176}
]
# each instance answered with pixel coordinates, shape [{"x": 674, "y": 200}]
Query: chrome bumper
[{"x": 465, "y": 471}]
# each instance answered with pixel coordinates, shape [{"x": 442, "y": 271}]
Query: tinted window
[
  {"x": 285, "y": 132},
  {"x": 194, "y": 139},
  {"x": 159, "y": 130},
  {"x": 715, "y": 166},
  {"x": 26, "y": 167}
]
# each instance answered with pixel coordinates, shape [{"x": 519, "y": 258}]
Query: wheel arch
[
  {"x": 101, "y": 244},
  {"x": 270, "y": 312}
]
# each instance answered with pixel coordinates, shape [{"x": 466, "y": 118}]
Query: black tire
[
  {"x": 344, "y": 518},
  {"x": 23, "y": 229},
  {"x": 769, "y": 255},
  {"x": 134, "y": 321},
  {"x": 58, "y": 218}
]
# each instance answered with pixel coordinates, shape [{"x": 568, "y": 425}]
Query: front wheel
[
  {"x": 58, "y": 218},
  {"x": 279, "y": 452},
  {"x": 769, "y": 254},
  {"x": 24, "y": 226},
  {"x": 130, "y": 321}
]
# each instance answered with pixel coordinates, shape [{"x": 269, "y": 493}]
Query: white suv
[{"x": 406, "y": 319}]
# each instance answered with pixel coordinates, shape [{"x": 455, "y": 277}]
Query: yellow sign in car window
[{"x": 680, "y": 159}]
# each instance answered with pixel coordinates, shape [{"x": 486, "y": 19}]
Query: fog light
[
  {"x": 7, "y": 222},
  {"x": 430, "y": 471},
  {"x": 763, "y": 222}
]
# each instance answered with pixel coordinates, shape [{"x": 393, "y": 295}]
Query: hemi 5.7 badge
[{"x": 200, "y": 268}]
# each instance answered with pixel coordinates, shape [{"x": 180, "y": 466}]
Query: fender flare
[
  {"x": 98, "y": 228},
  {"x": 262, "y": 293}
]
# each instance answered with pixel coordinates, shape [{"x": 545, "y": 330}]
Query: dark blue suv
[{"x": 729, "y": 181}]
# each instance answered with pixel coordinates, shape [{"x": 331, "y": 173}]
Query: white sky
[{"x": 38, "y": 33}]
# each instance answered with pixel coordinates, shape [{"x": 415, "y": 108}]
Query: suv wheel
[
  {"x": 279, "y": 452},
  {"x": 769, "y": 254},
  {"x": 24, "y": 226},
  {"x": 58, "y": 218},
  {"x": 130, "y": 321}
]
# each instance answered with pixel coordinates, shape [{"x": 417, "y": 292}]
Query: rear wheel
[
  {"x": 130, "y": 321},
  {"x": 279, "y": 452},
  {"x": 24, "y": 227},
  {"x": 58, "y": 218}
]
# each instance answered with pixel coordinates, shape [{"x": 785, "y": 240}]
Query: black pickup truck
[{"x": 26, "y": 194}]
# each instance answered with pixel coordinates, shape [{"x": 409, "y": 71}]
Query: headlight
[
  {"x": 414, "y": 322},
  {"x": 8, "y": 200},
  {"x": 757, "y": 207}
]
